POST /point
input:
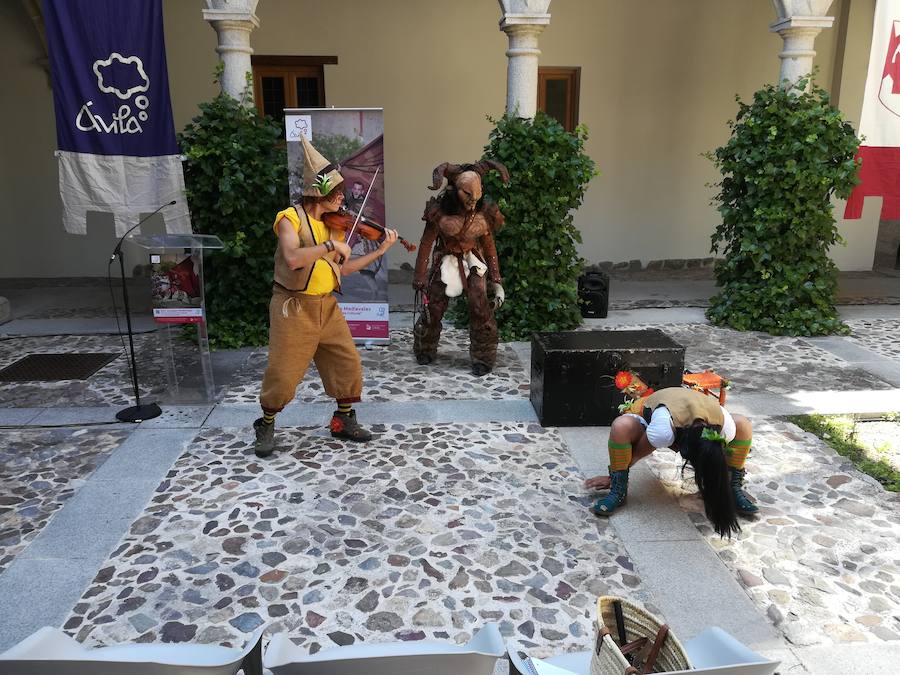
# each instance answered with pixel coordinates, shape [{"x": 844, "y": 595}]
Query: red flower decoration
[
  {"x": 623, "y": 379},
  {"x": 649, "y": 391}
]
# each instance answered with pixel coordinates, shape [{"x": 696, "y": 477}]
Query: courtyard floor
[{"x": 462, "y": 510}]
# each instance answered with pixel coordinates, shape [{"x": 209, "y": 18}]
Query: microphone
[
  {"x": 118, "y": 249},
  {"x": 138, "y": 412}
]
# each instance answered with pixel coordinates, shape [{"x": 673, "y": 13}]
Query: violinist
[{"x": 305, "y": 322}]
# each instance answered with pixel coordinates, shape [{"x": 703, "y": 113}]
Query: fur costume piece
[{"x": 460, "y": 226}]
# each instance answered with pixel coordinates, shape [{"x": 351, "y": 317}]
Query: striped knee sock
[
  {"x": 268, "y": 418},
  {"x": 619, "y": 456},
  {"x": 344, "y": 408},
  {"x": 736, "y": 453}
]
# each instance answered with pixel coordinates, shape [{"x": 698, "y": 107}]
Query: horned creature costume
[{"x": 460, "y": 225}]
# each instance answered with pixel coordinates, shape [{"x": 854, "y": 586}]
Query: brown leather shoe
[{"x": 344, "y": 425}]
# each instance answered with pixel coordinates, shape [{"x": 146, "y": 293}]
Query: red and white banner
[{"x": 880, "y": 123}]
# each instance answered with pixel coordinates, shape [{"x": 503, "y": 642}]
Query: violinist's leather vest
[{"x": 297, "y": 280}]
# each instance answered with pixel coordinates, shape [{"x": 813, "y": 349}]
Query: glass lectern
[{"x": 179, "y": 310}]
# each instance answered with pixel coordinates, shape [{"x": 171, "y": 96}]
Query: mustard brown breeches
[{"x": 304, "y": 328}]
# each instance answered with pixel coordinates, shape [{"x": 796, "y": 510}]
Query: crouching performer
[
  {"x": 713, "y": 441},
  {"x": 460, "y": 224},
  {"x": 305, "y": 322}
]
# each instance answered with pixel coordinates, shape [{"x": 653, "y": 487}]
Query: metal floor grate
[{"x": 55, "y": 367}]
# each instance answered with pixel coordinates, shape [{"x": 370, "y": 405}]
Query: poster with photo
[
  {"x": 175, "y": 288},
  {"x": 353, "y": 140}
]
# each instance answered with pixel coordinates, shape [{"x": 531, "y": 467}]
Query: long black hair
[{"x": 712, "y": 477}]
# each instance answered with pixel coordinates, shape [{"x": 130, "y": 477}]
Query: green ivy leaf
[
  {"x": 236, "y": 181},
  {"x": 776, "y": 218}
]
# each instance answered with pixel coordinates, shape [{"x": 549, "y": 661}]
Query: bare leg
[
  {"x": 735, "y": 456},
  {"x": 744, "y": 428},
  {"x": 624, "y": 429}
]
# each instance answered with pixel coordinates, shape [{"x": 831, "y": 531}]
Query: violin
[{"x": 366, "y": 227}]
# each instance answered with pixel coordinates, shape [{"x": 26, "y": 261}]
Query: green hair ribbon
[{"x": 713, "y": 435}]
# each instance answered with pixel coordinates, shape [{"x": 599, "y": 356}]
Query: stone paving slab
[
  {"x": 18, "y": 417},
  {"x": 40, "y": 470},
  {"x": 391, "y": 373},
  {"x": 381, "y": 412},
  {"x": 821, "y": 402},
  {"x": 77, "y": 325},
  {"x": 425, "y": 533},
  {"x": 822, "y": 560}
]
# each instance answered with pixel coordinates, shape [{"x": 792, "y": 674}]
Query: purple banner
[{"x": 110, "y": 83}]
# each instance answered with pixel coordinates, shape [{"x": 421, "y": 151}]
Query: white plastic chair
[
  {"x": 477, "y": 657},
  {"x": 49, "y": 651},
  {"x": 713, "y": 652}
]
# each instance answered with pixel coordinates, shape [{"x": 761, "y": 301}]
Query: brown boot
[
  {"x": 265, "y": 438},
  {"x": 344, "y": 425}
]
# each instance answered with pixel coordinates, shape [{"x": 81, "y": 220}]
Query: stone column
[
  {"x": 523, "y": 21},
  {"x": 798, "y": 24},
  {"x": 233, "y": 21}
]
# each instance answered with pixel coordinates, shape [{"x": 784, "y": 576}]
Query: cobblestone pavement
[
  {"x": 40, "y": 469},
  {"x": 424, "y": 533},
  {"x": 759, "y": 362},
  {"x": 755, "y": 362},
  {"x": 111, "y": 385},
  {"x": 431, "y": 530},
  {"x": 881, "y": 336},
  {"x": 822, "y": 560},
  {"x": 391, "y": 373}
]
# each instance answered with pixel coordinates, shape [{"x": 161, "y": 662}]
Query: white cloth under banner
[
  {"x": 115, "y": 133},
  {"x": 127, "y": 187}
]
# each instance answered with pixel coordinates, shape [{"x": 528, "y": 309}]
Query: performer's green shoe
[
  {"x": 616, "y": 497},
  {"x": 741, "y": 500}
]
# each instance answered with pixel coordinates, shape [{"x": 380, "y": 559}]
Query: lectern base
[{"x": 139, "y": 413}]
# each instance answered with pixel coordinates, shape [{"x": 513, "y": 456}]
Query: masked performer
[
  {"x": 712, "y": 440},
  {"x": 460, "y": 224},
  {"x": 305, "y": 322}
]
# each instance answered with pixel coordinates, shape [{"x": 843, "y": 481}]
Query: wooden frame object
[
  {"x": 289, "y": 69},
  {"x": 570, "y": 78}
]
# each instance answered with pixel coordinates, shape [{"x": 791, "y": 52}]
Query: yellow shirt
[{"x": 322, "y": 281}]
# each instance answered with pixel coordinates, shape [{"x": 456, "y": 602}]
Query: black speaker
[{"x": 593, "y": 294}]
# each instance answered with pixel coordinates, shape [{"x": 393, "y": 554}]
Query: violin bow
[{"x": 363, "y": 205}]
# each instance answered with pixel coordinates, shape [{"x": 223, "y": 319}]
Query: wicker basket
[{"x": 607, "y": 658}]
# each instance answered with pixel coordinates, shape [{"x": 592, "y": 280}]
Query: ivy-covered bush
[
  {"x": 549, "y": 172},
  {"x": 789, "y": 152},
  {"x": 236, "y": 180}
]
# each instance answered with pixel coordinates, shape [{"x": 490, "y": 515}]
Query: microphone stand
[{"x": 137, "y": 412}]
